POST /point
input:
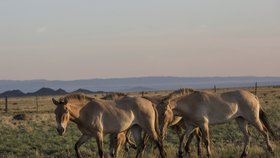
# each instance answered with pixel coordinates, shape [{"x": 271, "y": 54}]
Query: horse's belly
[
  {"x": 219, "y": 120},
  {"x": 224, "y": 114},
  {"x": 117, "y": 123}
]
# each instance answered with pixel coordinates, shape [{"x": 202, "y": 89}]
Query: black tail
[{"x": 264, "y": 120}]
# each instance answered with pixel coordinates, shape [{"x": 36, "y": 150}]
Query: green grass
[{"x": 37, "y": 136}]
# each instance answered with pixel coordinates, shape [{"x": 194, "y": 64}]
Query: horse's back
[
  {"x": 105, "y": 115},
  {"x": 125, "y": 112},
  {"x": 229, "y": 105},
  {"x": 248, "y": 103},
  {"x": 211, "y": 106}
]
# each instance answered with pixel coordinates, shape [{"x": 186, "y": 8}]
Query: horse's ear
[{"x": 55, "y": 102}]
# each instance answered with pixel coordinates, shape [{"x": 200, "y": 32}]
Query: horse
[
  {"x": 96, "y": 116},
  {"x": 176, "y": 123},
  {"x": 117, "y": 140},
  {"x": 201, "y": 109}
]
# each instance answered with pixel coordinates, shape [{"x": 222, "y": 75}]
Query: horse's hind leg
[
  {"x": 99, "y": 140},
  {"x": 198, "y": 142},
  {"x": 155, "y": 137},
  {"x": 258, "y": 124},
  {"x": 113, "y": 142},
  {"x": 205, "y": 135},
  {"x": 81, "y": 141},
  {"x": 243, "y": 125},
  {"x": 117, "y": 140},
  {"x": 136, "y": 132},
  {"x": 145, "y": 140}
]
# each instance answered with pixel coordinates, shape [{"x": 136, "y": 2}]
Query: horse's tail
[
  {"x": 265, "y": 122},
  {"x": 156, "y": 121}
]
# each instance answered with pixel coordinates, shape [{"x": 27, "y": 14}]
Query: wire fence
[{"x": 44, "y": 103}]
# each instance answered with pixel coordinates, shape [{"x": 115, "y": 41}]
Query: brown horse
[
  {"x": 95, "y": 117},
  {"x": 176, "y": 123},
  {"x": 117, "y": 140},
  {"x": 201, "y": 109}
]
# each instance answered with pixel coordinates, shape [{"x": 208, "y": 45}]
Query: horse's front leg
[
  {"x": 188, "y": 144},
  {"x": 181, "y": 144},
  {"x": 129, "y": 141},
  {"x": 184, "y": 137},
  {"x": 81, "y": 141},
  {"x": 99, "y": 140}
]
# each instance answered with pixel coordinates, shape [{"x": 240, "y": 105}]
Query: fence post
[
  {"x": 142, "y": 93},
  {"x": 37, "y": 105},
  {"x": 6, "y": 103},
  {"x": 215, "y": 89},
  {"x": 256, "y": 88}
]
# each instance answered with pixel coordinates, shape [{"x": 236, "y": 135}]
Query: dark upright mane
[
  {"x": 113, "y": 96},
  {"x": 178, "y": 93}
]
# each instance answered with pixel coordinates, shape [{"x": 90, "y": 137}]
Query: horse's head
[
  {"x": 167, "y": 119},
  {"x": 62, "y": 115}
]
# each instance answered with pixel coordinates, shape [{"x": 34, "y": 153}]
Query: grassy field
[{"x": 36, "y": 136}]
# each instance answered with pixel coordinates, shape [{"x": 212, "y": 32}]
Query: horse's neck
[
  {"x": 178, "y": 108},
  {"x": 75, "y": 111},
  {"x": 173, "y": 104}
]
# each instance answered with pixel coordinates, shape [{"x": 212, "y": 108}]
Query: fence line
[
  {"x": 256, "y": 88},
  {"x": 35, "y": 104},
  {"x": 6, "y": 104}
]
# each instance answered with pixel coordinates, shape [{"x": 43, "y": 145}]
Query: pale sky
[{"x": 72, "y": 39}]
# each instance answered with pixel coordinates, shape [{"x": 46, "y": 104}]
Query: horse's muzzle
[{"x": 60, "y": 130}]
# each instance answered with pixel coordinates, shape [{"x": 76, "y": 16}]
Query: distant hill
[
  {"x": 47, "y": 91},
  {"x": 85, "y": 91},
  {"x": 13, "y": 93},
  {"x": 139, "y": 89},
  {"x": 41, "y": 92},
  {"x": 138, "y": 83}
]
